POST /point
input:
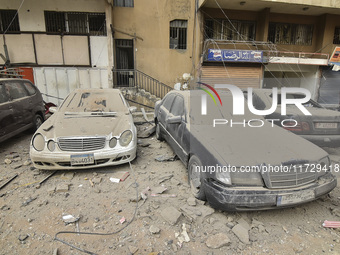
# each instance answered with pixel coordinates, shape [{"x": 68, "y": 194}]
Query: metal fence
[{"x": 140, "y": 80}]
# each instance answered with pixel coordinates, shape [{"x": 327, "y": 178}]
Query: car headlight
[
  {"x": 223, "y": 176},
  {"x": 125, "y": 138},
  {"x": 51, "y": 145},
  {"x": 322, "y": 167},
  {"x": 113, "y": 142},
  {"x": 38, "y": 142},
  {"x": 246, "y": 178}
]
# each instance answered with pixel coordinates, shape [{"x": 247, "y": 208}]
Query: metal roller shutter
[{"x": 242, "y": 77}]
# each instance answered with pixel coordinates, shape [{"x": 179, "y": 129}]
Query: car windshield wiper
[{"x": 91, "y": 114}]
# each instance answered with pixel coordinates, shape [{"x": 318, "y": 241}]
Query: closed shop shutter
[
  {"x": 329, "y": 91},
  {"x": 242, "y": 77}
]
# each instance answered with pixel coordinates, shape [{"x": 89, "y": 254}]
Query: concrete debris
[
  {"x": 16, "y": 166},
  {"x": 8, "y": 161},
  {"x": 154, "y": 230},
  {"x": 148, "y": 132},
  {"x": 96, "y": 180},
  {"x": 27, "y": 163},
  {"x": 62, "y": 187},
  {"x": 244, "y": 224},
  {"x": 191, "y": 201},
  {"x": 55, "y": 252},
  {"x": 205, "y": 210},
  {"x": 217, "y": 241},
  {"x": 163, "y": 158},
  {"x": 171, "y": 215},
  {"x": 158, "y": 190},
  {"x": 115, "y": 180},
  {"x": 165, "y": 178},
  {"x": 336, "y": 212},
  {"x": 70, "y": 219},
  {"x": 133, "y": 249},
  {"x": 28, "y": 201},
  {"x": 135, "y": 199},
  {"x": 183, "y": 236},
  {"x": 242, "y": 233},
  {"x": 12, "y": 155},
  {"x": 190, "y": 212}
]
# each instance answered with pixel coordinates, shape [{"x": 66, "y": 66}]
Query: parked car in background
[
  {"x": 21, "y": 107},
  {"x": 321, "y": 128},
  {"x": 91, "y": 128},
  {"x": 240, "y": 167}
]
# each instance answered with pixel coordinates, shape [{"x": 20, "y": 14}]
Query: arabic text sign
[{"x": 235, "y": 55}]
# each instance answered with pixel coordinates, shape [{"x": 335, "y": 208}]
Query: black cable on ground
[{"x": 99, "y": 234}]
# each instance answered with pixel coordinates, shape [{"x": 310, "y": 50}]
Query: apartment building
[
  {"x": 264, "y": 43},
  {"x": 151, "y": 44}
]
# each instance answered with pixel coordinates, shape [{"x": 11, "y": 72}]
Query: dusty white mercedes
[{"x": 91, "y": 128}]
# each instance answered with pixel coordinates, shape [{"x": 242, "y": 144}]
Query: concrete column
[{"x": 109, "y": 20}]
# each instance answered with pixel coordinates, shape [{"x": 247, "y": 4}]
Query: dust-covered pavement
[{"x": 168, "y": 219}]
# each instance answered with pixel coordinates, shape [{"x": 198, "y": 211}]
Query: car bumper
[
  {"x": 62, "y": 160},
  {"x": 324, "y": 140},
  {"x": 251, "y": 198}
]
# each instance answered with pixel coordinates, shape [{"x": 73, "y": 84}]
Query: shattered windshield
[{"x": 94, "y": 104}]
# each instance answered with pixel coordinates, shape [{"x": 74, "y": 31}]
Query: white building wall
[
  {"x": 31, "y": 13},
  {"x": 55, "y": 83}
]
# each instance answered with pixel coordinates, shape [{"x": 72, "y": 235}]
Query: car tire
[
  {"x": 158, "y": 132},
  {"x": 37, "y": 121},
  {"x": 195, "y": 178}
]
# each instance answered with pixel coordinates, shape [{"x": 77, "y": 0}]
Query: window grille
[
  {"x": 123, "y": 3},
  {"x": 9, "y": 21},
  {"x": 294, "y": 34},
  {"x": 178, "y": 34}
]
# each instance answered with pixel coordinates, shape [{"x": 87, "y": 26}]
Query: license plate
[
  {"x": 326, "y": 125},
  {"x": 295, "y": 198},
  {"x": 83, "y": 159}
]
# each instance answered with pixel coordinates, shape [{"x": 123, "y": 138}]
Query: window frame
[
  {"x": 62, "y": 23},
  {"x": 124, "y": 3},
  {"x": 226, "y": 33},
  {"x": 178, "y": 35},
  {"x": 12, "y": 21},
  {"x": 290, "y": 33}
]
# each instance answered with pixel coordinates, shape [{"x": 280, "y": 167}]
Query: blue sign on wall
[{"x": 235, "y": 55}]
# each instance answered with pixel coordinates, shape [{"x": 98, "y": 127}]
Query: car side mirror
[
  {"x": 132, "y": 109},
  {"x": 52, "y": 109},
  {"x": 175, "y": 120}
]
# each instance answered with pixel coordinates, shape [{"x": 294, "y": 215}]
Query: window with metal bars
[
  {"x": 294, "y": 34},
  {"x": 336, "y": 39},
  {"x": 9, "y": 21},
  {"x": 123, "y": 3},
  {"x": 75, "y": 22},
  {"x": 223, "y": 29},
  {"x": 178, "y": 34}
]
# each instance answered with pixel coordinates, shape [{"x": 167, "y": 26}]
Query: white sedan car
[{"x": 91, "y": 128}]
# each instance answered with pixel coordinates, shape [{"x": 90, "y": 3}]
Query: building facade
[
  {"x": 151, "y": 44},
  {"x": 291, "y": 40}
]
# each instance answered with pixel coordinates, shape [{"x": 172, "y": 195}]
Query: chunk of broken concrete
[
  {"x": 242, "y": 233},
  {"x": 217, "y": 241},
  {"x": 62, "y": 187},
  {"x": 154, "y": 230},
  {"x": 191, "y": 201},
  {"x": 171, "y": 215}
]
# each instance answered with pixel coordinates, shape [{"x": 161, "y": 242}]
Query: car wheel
[
  {"x": 37, "y": 121},
  {"x": 158, "y": 132},
  {"x": 195, "y": 178}
]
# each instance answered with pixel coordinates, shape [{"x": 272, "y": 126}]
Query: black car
[
  {"x": 322, "y": 127},
  {"x": 240, "y": 162},
  {"x": 21, "y": 107}
]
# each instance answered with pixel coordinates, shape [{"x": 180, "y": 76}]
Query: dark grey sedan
[
  {"x": 21, "y": 107},
  {"x": 240, "y": 162},
  {"x": 321, "y": 128}
]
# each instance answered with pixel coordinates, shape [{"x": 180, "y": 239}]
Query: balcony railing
[{"x": 140, "y": 80}]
